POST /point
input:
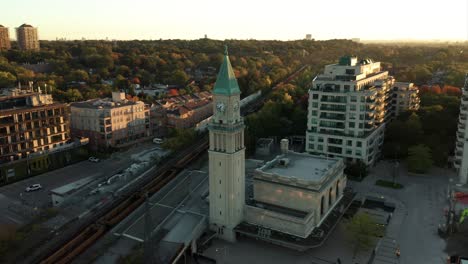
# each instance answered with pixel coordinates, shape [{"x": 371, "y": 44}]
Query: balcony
[
  {"x": 332, "y": 116},
  {"x": 333, "y": 108}
]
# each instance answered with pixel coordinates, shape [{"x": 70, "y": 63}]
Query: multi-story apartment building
[
  {"x": 110, "y": 123},
  {"x": 30, "y": 122},
  {"x": 26, "y": 36},
  {"x": 405, "y": 96},
  {"x": 461, "y": 147},
  {"x": 4, "y": 38},
  {"x": 348, "y": 108}
]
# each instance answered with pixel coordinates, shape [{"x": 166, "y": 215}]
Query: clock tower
[{"x": 226, "y": 155}]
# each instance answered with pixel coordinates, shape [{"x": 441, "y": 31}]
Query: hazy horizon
[{"x": 400, "y": 20}]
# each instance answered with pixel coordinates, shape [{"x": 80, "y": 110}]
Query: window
[
  {"x": 353, "y": 99},
  {"x": 315, "y": 105},
  {"x": 349, "y": 151},
  {"x": 314, "y": 121},
  {"x": 320, "y": 139},
  {"x": 350, "y": 71},
  {"x": 319, "y": 147},
  {"x": 311, "y": 146},
  {"x": 358, "y": 153},
  {"x": 352, "y": 107},
  {"x": 359, "y": 144},
  {"x": 219, "y": 181},
  {"x": 363, "y": 98},
  {"x": 311, "y": 138},
  {"x": 314, "y": 96},
  {"x": 314, "y": 112},
  {"x": 220, "y": 213},
  {"x": 349, "y": 143},
  {"x": 351, "y": 124}
]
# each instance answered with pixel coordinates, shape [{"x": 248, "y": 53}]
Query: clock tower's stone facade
[{"x": 226, "y": 155}]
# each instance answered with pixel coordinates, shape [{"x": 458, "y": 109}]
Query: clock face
[{"x": 220, "y": 107}]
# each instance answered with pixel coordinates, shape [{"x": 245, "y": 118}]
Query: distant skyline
[{"x": 241, "y": 19}]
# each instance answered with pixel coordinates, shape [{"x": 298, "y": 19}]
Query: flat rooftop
[
  {"x": 106, "y": 103},
  {"x": 72, "y": 187},
  {"x": 301, "y": 166}
]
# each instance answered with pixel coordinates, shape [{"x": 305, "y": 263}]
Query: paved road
[{"x": 16, "y": 204}]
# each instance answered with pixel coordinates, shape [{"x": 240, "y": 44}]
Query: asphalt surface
[{"x": 17, "y": 206}]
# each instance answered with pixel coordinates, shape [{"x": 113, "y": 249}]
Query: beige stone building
[
  {"x": 294, "y": 192},
  {"x": 27, "y": 38},
  {"x": 4, "y": 38},
  {"x": 111, "y": 123}
]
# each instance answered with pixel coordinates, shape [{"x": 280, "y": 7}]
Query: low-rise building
[
  {"x": 294, "y": 192},
  {"x": 405, "y": 96},
  {"x": 31, "y": 122},
  {"x": 184, "y": 111},
  {"x": 111, "y": 123}
]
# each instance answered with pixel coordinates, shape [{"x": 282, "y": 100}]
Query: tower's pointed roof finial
[{"x": 226, "y": 83}]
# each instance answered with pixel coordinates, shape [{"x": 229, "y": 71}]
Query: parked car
[
  {"x": 93, "y": 159},
  {"x": 33, "y": 187},
  {"x": 158, "y": 140}
]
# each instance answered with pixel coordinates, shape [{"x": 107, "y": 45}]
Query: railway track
[{"x": 87, "y": 236}]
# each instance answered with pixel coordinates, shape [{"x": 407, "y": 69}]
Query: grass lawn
[{"x": 388, "y": 184}]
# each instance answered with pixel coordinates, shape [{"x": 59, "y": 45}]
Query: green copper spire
[{"x": 226, "y": 83}]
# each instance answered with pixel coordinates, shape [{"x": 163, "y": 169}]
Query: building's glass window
[
  {"x": 320, "y": 139},
  {"x": 358, "y": 152},
  {"x": 314, "y": 112},
  {"x": 314, "y": 96},
  {"x": 363, "y": 98},
  {"x": 311, "y": 146},
  {"x": 359, "y": 144},
  {"x": 353, "y": 98},
  {"x": 315, "y": 105},
  {"x": 349, "y": 151},
  {"x": 314, "y": 121},
  {"x": 349, "y": 142},
  {"x": 352, "y": 107},
  {"x": 311, "y": 138},
  {"x": 351, "y": 124},
  {"x": 319, "y": 147}
]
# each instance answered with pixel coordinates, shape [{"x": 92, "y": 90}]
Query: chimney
[{"x": 284, "y": 145}]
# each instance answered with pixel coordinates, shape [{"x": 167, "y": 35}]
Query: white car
[
  {"x": 33, "y": 187},
  {"x": 93, "y": 159},
  {"x": 158, "y": 140}
]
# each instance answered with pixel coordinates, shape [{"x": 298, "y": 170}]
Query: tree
[
  {"x": 419, "y": 158},
  {"x": 179, "y": 77},
  {"x": 7, "y": 79},
  {"x": 356, "y": 170},
  {"x": 362, "y": 232}
]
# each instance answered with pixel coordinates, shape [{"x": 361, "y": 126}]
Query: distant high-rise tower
[
  {"x": 27, "y": 38},
  {"x": 308, "y": 36},
  {"x": 4, "y": 38},
  {"x": 226, "y": 155}
]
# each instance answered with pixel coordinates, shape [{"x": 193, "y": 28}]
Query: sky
[{"x": 240, "y": 19}]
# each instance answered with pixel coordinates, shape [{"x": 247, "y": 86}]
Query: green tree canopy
[
  {"x": 362, "y": 232},
  {"x": 419, "y": 158},
  {"x": 7, "y": 79}
]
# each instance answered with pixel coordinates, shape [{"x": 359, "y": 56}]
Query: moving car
[
  {"x": 33, "y": 187},
  {"x": 93, "y": 159}
]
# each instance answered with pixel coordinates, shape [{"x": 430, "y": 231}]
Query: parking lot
[{"x": 17, "y": 206}]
